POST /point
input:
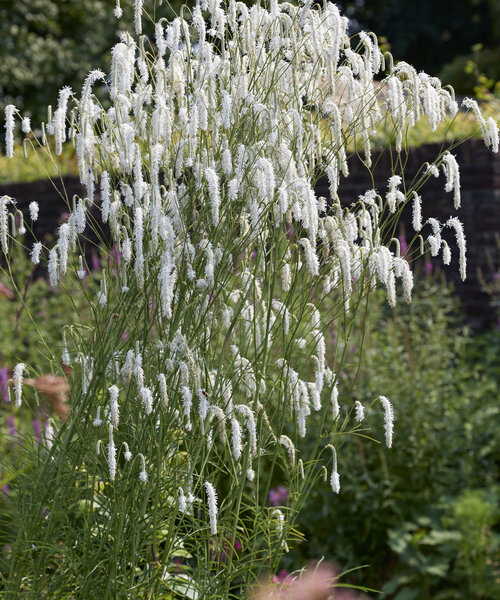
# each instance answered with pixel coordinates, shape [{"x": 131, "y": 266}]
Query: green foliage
[
  {"x": 421, "y": 514},
  {"x": 429, "y": 34},
  {"x": 31, "y": 323},
  {"x": 42, "y": 42},
  {"x": 477, "y": 72},
  {"x": 37, "y": 164},
  {"x": 41, "y": 47}
]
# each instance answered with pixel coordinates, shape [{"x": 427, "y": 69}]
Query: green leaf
[
  {"x": 439, "y": 536},
  {"x": 396, "y": 582},
  {"x": 408, "y": 594}
]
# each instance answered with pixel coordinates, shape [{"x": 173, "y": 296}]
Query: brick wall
[{"x": 480, "y": 212}]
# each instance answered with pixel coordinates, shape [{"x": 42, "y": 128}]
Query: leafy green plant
[{"x": 398, "y": 511}]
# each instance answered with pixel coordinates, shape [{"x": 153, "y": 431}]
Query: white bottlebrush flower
[
  {"x": 102, "y": 294},
  {"x": 35, "y": 253},
  {"x": 236, "y": 437},
  {"x": 65, "y": 357},
  {"x": 81, "y": 270},
  {"x": 118, "y": 10},
  {"x": 53, "y": 267},
  {"x": 334, "y": 478},
  {"x": 493, "y": 138},
  {"x": 33, "y": 208},
  {"x": 227, "y": 165},
  {"x": 187, "y": 401},
  {"x": 138, "y": 16},
  {"x": 314, "y": 395},
  {"x": 18, "y": 383},
  {"x": 212, "y": 506},
  {"x": 203, "y": 405},
  {"x": 391, "y": 289},
  {"x": 163, "y": 389},
  {"x": 127, "y": 455},
  {"x": 214, "y": 193},
  {"x": 147, "y": 399},
  {"x": 97, "y": 422},
  {"x": 388, "y": 420},
  {"x": 455, "y": 224},
  {"x": 247, "y": 412},
  {"x": 59, "y": 123},
  {"x": 452, "y": 172},
  {"x": 10, "y": 109},
  {"x": 290, "y": 448},
  {"x": 434, "y": 244},
  {"x": 417, "y": 212},
  {"x": 394, "y": 195},
  {"x": 489, "y": 128},
  {"x": 311, "y": 257},
  {"x": 26, "y": 125},
  {"x": 335, "y": 401},
  {"x": 111, "y": 454},
  {"x": 360, "y": 411},
  {"x": 226, "y": 109},
  {"x": 63, "y": 246},
  {"x": 446, "y": 253},
  {"x": 114, "y": 411},
  {"x": 50, "y": 434},
  {"x": 105, "y": 196},
  {"x": 182, "y": 501},
  {"x": 286, "y": 277},
  {"x": 143, "y": 475},
  {"x": 4, "y": 222}
]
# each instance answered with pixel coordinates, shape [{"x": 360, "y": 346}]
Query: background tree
[
  {"x": 42, "y": 42},
  {"x": 441, "y": 38}
]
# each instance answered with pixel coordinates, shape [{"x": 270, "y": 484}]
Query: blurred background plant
[{"x": 423, "y": 515}]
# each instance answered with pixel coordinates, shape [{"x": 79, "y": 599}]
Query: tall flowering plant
[{"x": 208, "y": 350}]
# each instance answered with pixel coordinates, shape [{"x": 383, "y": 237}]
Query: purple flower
[
  {"x": 95, "y": 265},
  {"x": 278, "y": 496},
  {"x": 37, "y": 428},
  {"x": 4, "y": 378},
  {"x": 283, "y": 578},
  {"x": 224, "y": 550},
  {"x": 428, "y": 267}
]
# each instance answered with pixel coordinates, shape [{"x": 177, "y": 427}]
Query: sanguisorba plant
[{"x": 208, "y": 348}]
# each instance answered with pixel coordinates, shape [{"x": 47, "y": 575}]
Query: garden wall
[{"x": 480, "y": 212}]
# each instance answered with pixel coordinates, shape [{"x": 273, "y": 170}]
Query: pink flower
[
  {"x": 283, "y": 578},
  {"x": 224, "y": 550},
  {"x": 278, "y": 496}
]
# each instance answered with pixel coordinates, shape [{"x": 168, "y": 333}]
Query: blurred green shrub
[
  {"x": 42, "y": 42},
  {"x": 31, "y": 322},
  {"x": 423, "y": 514}
]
